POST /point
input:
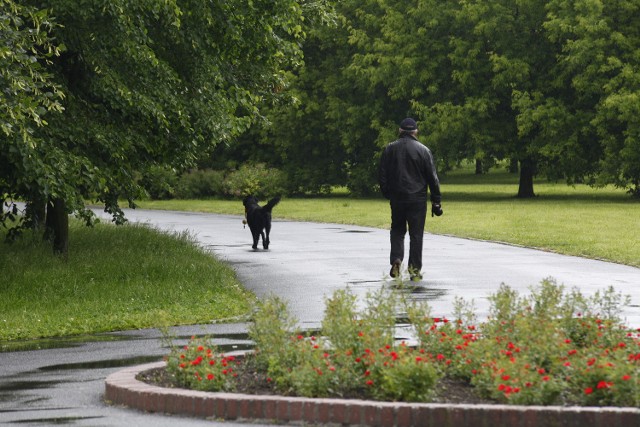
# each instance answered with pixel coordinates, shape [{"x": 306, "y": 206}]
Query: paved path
[
  {"x": 308, "y": 261},
  {"x": 64, "y": 384}
]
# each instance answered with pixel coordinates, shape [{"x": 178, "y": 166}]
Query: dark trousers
[{"x": 413, "y": 215}]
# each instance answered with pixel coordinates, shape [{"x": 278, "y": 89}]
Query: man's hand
[{"x": 436, "y": 209}]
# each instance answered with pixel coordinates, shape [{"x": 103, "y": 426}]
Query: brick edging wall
[{"x": 122, "y": 388}]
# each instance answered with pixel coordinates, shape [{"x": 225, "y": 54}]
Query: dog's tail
[{"x": 271, "y": 203}]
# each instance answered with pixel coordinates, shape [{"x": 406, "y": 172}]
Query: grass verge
[
  {"x": 579, "y": 220},
  {"x": 116, "y": 278}
]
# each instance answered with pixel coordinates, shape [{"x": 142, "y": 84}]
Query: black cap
[{"x": 408, "y": 124}]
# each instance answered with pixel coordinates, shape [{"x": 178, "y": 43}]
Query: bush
[
  {"x": 198, "y": 184},
  {"x": 159, "y": 182},
  {"x": 257, "y": 180},
  {"x": 353, "y": 355}
]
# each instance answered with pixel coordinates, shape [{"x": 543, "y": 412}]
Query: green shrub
[
  {"x": 159, "y": 182},
  {"x": 197, "y": 184},
  {"x": 257, "y": 180},
  {"x": 352, "y": 356}
]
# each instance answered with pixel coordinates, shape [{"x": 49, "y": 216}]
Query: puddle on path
[
  {"x": 61, "y": 342},
  {"x": 102, "y": 364},
  {"x": 54, "y": 420},
  {"x": 12, "y": 386}
]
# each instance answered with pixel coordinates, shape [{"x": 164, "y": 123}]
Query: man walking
[{"x": 406, "y": 171}]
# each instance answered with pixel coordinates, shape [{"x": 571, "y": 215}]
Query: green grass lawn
[
  {"x": 595, "y": 223},
  {"x": 115, "y": 278}
]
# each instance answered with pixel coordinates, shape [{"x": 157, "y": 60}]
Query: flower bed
[{"x": 548, "y": 348}]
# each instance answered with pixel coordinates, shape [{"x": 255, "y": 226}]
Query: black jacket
[{"x": 406, "y": 170}]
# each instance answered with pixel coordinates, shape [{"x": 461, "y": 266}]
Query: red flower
[
  {"x": 604, "y": 384},
  {"x": 545, "y": 378},
  {"x": 626, "y": 377},
  {"x": 440, "y": 357},
  {"x": 505, "y": 378},
  {"x": 588, "y": 390},
  {"x": 210, "y": 376},
  {"x": 541, "y": 371},
  {"x": 590, "y": 362},
  {"x": 369, "y": 383}
]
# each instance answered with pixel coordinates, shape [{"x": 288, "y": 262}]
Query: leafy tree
[
  {"x": 599, "y": 60},
  {"x": 332, "y": 133},
  {"x": 155, "y": 83},
  {"x": 27, "y": 97}
]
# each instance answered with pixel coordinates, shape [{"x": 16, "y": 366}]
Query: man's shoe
[{"x": 395, "y": 268}]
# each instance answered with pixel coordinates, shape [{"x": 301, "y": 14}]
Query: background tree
[{"x": 599, "y": 60}]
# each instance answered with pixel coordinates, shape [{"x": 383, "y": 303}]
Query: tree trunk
[
  {"x": 479, "y": 170},
  {"x": 527, "y": 171},
  {"x": 58, "y": 223}
]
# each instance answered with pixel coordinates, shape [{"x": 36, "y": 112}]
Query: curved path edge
[{"x": 122, "y": 388}]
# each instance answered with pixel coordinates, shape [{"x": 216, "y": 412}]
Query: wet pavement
[{"x": 61, "y": 381}]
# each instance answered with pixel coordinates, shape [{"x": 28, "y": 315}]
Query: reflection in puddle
[
  {"x": 26, "y": 385},
  {"x": 53, "y": 421},
  {"x": 101, "y": 364},
  {"x": 63, "y": 342}
]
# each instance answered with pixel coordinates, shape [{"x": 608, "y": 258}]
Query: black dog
[{"x": 259, "y": 219}]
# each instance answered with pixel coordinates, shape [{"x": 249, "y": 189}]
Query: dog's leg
[
  {"x": 256, "y": 236},
  {"x": 266, "y": 241}
]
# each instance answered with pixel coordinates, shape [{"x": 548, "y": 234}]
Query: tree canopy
[{"x": 552, "y": 85}]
